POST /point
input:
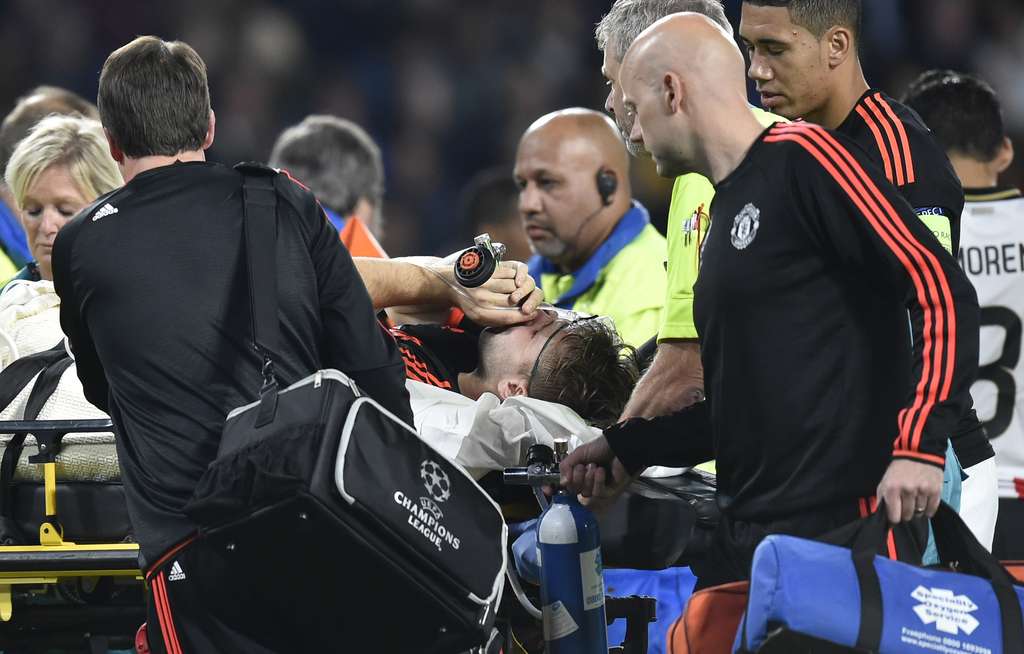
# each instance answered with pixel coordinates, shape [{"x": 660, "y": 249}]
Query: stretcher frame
[{"x": 56, "y": 559}]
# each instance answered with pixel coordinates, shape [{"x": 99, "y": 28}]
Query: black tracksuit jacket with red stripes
[
  {"x": 901, "y": 145},
  {"x": 811, "y": 264}
]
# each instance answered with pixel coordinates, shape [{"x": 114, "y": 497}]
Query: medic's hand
[
  {"x": 592, "y": 470},
  {"x": 509, "y": 297},
  {"x": 910, "y": 490}
]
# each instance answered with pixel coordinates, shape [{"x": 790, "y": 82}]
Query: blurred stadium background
[{"x": 445, "y": 86}]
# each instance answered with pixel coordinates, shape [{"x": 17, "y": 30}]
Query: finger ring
[{"x": 918, "y": 510}]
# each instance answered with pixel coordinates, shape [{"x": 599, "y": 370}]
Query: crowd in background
[{"x": 445, "y": 86}]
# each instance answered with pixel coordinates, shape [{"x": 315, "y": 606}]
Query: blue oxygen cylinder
[{"x": 571, "y": 581}]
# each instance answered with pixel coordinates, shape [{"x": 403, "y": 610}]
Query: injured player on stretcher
[{"x": 490, "y": 370}]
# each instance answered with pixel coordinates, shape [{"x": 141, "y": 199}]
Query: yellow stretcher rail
[{"x": 54, "y": 558}]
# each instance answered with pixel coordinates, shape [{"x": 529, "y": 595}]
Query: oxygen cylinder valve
[
  {"x": 475, "y": 265},
  {"x": 541, "y": 469}
]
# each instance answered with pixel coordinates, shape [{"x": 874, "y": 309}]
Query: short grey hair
[
  {"x": 335, "y": 158},
  {"x": 627, "y": 18}
]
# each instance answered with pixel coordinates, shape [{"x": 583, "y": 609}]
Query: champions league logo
[
  {"x": 435, "y": 480},
  {"x": 426, "y": 516},
  {"x": 744, "y": 227}
]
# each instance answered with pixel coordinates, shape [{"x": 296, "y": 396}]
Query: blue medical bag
[{"x": 855, "y": 599}]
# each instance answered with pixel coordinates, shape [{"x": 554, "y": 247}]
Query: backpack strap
[{"x": 259, "y": 200}]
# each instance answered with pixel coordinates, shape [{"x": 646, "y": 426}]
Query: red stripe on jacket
[
  {"x": 908, "y": 158},
  {"x": 924, "y": 270}
]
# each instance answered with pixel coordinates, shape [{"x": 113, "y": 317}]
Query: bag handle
[
  {"x": 956, "y": 545},
  {"x": 259, "y": 203},
  {"x": 13, "y": 380},
  {"x": 20, "y": 372}
]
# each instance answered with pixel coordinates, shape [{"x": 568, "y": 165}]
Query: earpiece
[{"x": 607, "y": 184}]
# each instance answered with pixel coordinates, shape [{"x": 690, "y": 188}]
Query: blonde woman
[{"x": 61, "y": 167}]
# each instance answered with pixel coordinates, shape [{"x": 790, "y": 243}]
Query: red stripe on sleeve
[
  {"x": 870, "y": 122},
  {"x": 884, "y": 220},
  {"x": 907, "y": 157},
  {"x": 946, "y": 312},
  {"x": 918, "y": 414},
  {"x": 900, "y": 250},
  {"x": 893, "y": 142},
  {"x": 930, "y": 458}
]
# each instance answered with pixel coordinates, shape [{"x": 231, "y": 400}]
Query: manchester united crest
[{"x": 744, "y": 227}]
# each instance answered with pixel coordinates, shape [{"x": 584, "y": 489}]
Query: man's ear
[
  {"x": 512, "y": 386},
  {"x": 1005, "y": 155},
  {"x": 210, "y": 130},
  {"x": 674, "y": 92},
  {"x": 839, "y": 45},
  {"x": 116, "y": 153}
]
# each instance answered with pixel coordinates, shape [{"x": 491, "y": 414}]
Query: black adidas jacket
[
  {"x": 810, "y": 267},
  {"x": 155, "y": 303}
]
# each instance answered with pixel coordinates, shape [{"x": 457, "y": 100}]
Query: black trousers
[
  {"x": 732, "y": 547},
  {"x": 183, "y": 586},
  {"x": 1008, "y": 544}
]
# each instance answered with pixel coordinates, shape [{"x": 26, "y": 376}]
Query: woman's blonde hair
[{"x": 72, "y": 141}]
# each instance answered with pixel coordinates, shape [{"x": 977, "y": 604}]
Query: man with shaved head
[
  {"x": 810, "y": 267},
  {"x": 595, "y": 248}
]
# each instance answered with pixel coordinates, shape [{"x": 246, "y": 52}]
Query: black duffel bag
[{"x": 340, "y": 528}]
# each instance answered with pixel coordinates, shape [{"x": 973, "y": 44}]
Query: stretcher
[
  {"x": 73, "y": 579},
  {"x": 69, "y": 573}
]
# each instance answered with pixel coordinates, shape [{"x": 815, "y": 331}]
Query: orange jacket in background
[{"x": 360, "y": 242}]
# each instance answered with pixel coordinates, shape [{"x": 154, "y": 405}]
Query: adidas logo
[
  {"x": 177, "y": 574},
  {"x": 106, "y": 210}
]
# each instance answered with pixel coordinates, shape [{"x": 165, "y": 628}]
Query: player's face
[
  {"x": 557, "y": 191},
  {"x": 513, "y": 351},
  {"x": 51, "y": 201},
  {"x": 613, "y": 103},
  {"x": 787, "y": 62}
]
